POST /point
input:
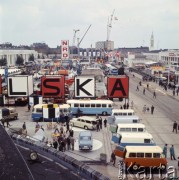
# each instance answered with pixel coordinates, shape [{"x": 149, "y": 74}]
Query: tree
[
  {"x": 19, "y": 60},
  {"x": 3, "y": 62},
  {"x": 31, "y": 57}
]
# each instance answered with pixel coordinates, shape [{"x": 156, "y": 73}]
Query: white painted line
[
  {"x": 45, "y": 157},
  {"x": 63, "y": 167}
]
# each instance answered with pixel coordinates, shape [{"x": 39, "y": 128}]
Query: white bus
[
  {"x": 37, "y": 111},
  {"x": 123, "y": 112},
  {"x": 133, "y": 139},
  {"x": 128, "y": 127},
  {"x": 86, "y": 106}
]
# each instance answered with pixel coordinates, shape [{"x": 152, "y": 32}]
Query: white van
[
  {"x": 123, "y": 112},
  {"x": 123, "y": 119},
  {"x": 128, "y": 127},
  {"x": 133, "y": 139}
]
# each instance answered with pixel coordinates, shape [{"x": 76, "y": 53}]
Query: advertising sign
[
  {"x": 65, "y": 49},
  {"x": 20, "y": 85},
  {"x": 118, "y": 87},
  {"x": 53, "y": 86},
  {"x": 85, "y": 86}
]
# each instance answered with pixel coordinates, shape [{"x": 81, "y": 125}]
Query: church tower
[{"x": 152, "y": 42}]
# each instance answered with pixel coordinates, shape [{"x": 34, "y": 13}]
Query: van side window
[
  {"x": 109, "y": 105},
  {"x": 92, "y": 105},
  {"x": 103, "y": 105},
  {"x": 128, "y": 129},
  {"x": 134, "y": 129},
  {"x": 148, "y": 155},
  {"x": 129, "y": 114},
  {"x": 38, "y": 110},
  {"x": 140, "y": 154},
  {"x": 81, "y": 105},
  {"x": 146, "y": 140},
  {"x": 156, "y": 155},
  {"x": 124, "y": 114},
  {"x": 135, "y": 121},
  {"x": 83, "y": 121},
  {"x": 98, "y": 105},
  {"x": 122, "y": 129},
  {"x": 76, "y": 105},
  {"x": 132, "y": 154},
  {"x": 140, "y": 129},
  {"x": 87, "y": 105}
]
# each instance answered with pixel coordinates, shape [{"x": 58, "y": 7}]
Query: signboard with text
[
  {"x": 118, "y": 87},
  {"x": 85, "y": 86},
  {"x": 65, "y": 49},
  {"x": 20, "y": 85},
  {"x": 53, "y": 86}
]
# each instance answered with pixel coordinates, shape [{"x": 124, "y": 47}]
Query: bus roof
[
  {"x": 127, "y": 117},
  {"x": 64, "y": 106},
  {"x": 139, "y": 135},
  {"x": 131, "y": 125},
  {"x": 145, "y": 149},
  {"x": 103, "y": 101},
  {"x": 122, "y": 110}
]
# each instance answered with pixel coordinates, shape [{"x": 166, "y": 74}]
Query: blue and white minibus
[
  {"x": 86, "y": 106},
  {"x": 133, "y": 139},
  {"x": 37, "y": 111}
]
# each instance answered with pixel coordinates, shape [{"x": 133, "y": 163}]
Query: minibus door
[{"x": 119, "y": 151}]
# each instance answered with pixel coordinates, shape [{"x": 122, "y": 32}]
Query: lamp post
[{"x": 78, "y": 47}]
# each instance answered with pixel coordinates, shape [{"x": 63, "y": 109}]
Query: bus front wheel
[{"x": 104, "y": 113}]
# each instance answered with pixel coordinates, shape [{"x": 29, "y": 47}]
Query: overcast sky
[{"x": 50, "y": 21}]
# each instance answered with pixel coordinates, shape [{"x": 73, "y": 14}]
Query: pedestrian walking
[
  {"x": 147, "y": 86},
  {"x": 113, "y": 158},
  {"x": 144, "y": 109},
  {"x": 173, "y": 92},
  {"x": 97, "y": 126},
  {"x": 100, "y": 122},
  {"x": 24, "y": 126},
  {"x": 175, "y": 125},
  {"x": 68, "y": 143},
  {"x": 72, "y": 142},
  {"x": 71, "y": 132},
  {"x": 127, "y": 105},
  {"x": 132, "y": 104},
  {"x": 105, "y": 123},
  {"x": 137, "y": 89},
  {"x": 55, "y": 144},
  {"x": 144, "y": 91},
  {"x": 7, "y": 122},
  {"x": 165, "y": 150},
  {"x": 177, "y": 91},
  {"x": 29, "y": 107},
  {"x": 172, "y": 153},
  {"x": 154, "y": 94},
  {"x": 152, "y": 109}
]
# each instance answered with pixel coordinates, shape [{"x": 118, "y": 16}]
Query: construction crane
[
  {"x": 109, "y": 25},
  {"x": 79, "y": 41},
  {"x": 74, "y": 36}
]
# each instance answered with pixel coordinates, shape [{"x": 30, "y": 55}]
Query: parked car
[
  {"x": 85, "y": 140},
  {"x": 9, "y": 113},
  {"x": 84, "y": 122}
]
